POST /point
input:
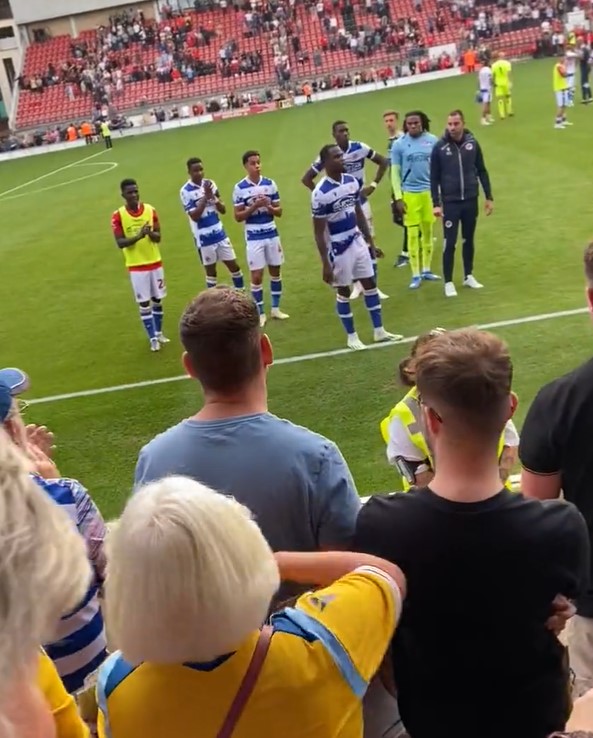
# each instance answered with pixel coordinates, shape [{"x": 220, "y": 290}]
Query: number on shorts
[{"x": 161, "y": 284}]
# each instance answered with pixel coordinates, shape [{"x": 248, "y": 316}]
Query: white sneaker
[
  {"x": 471, "y": 282},
  {"x": 485, "y": 122},
  {"x": 154, "y": 344},
  {"x": 162, "y": 339},
  {"x": 355, "y": 343},
  {"x": 357, "y": 291},
  {"x": 277, "y": 314},
  {"x": 382, "y": 295},
  {"x": 450, "y": 290},
  {"x": 380, "y": 335},
  {"x": 559, "y": 126},
  {"x": 262, "y": 320}
]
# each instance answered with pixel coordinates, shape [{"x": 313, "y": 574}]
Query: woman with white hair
[
  {"x": 44, "y": 573},
  {"x": 190, "y": 579}
]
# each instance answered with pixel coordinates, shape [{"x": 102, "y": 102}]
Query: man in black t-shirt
[
  {"x": 556, "y": 452},
  {"x": 473, "y": 656}
]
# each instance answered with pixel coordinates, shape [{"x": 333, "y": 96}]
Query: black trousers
[
  {"x": 108, "y": 142},
  {"x": 464, "y": 213}
]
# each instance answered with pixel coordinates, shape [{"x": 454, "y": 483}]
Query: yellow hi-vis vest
[
  {"x": 409, "y": 413},
  {"x": 144, "y": 252}
]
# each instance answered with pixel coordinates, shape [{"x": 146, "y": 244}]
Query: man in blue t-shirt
[{"x": 295, "y": 482}]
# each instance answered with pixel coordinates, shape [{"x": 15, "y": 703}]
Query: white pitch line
[
  {"x": 50, "y": 174},
  {"x": 111, "y": 165},
  {"x": 303, "y": 357}
]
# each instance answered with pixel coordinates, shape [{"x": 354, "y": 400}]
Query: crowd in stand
[
  {"x": 118, "y": 54},
  {"x": 247, "y": 615}
]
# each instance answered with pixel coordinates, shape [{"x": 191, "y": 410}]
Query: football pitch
[{"x": 70, "y": 321}]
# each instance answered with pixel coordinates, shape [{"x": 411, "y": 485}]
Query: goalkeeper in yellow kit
[{"x": 501, "y": 74}]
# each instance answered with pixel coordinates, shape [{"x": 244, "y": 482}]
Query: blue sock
[
  {"x": 257, "y": 292},
  {"x": 210, "y": 282},
  {"x": 148, "y": 321},
  {"x": 373, "y": 305},
  {"x": 237, "y": 278},
  {"x": 157, "y": 314},
  {"x": 276, "y": 291},
  {"x": 345, "y": 314}
]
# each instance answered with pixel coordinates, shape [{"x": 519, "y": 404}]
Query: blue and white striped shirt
[
  {"x": 208, "y": 231},
  {"x": 80, "y": 644},
  {"x": 335, "y": 202},
  {"x": 260, "y": 225},
  {"x": 354, "y": 157}
]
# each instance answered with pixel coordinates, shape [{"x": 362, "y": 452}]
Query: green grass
[{"x": 69, "y": 318}]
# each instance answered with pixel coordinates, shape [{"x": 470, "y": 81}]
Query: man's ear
[
  {"x": 589, "y": 295},
  {"x": 187, "y": 365},
  {"x": 432, "y": 423},
  {"x": 514, "y": 402},
  {"x": 267, "y": 352}
]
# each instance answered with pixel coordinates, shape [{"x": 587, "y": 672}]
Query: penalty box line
[
  {"x": 50, "y": 174},
  {"x": 303, "y": 357}
]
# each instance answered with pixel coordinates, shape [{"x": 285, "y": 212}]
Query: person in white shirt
[
  {"x": 571, "y": 68},
  {"x": 485, "y": 94}
]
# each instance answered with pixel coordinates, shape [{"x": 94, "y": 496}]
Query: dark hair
[
  {"x": 193, "y": 160},
  {"x": 248, "y": 154},
  {"x": 220, "y": 331},
  {"x": 424, "y": 119},
  {"x": 589, "y": 263},
  {"x": 337, "y": 123},
  {"x": 324, "y": 153},
  {"x": 459, "y": 113},
  {"x": 125, "y": 183},
  {"x": 466, "y": 376},
  {"x": 407, "y": 366}
]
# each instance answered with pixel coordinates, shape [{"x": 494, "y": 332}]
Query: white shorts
[
  {"x": 149, "y": 285},
  {"x": 221, "y": 251},
  {"x": 368, "y": 214},
  {"x": 486, "y": 96},
  {"x": 570, "y": 80},
  {"x": 267, "y": 252},
  {"x": 353, "y": 264},
  {"x": 561, "y": 98}
]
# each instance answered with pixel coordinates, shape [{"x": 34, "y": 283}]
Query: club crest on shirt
[
  {"x": 321, "y": 601},
  {"x": 469, "y": 146}
]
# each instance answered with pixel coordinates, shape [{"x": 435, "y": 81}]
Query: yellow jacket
[{"x": 62, "y": 705}]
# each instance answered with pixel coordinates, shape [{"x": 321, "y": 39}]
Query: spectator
[
  {"x": 555, "y": 455},
  {"x": 295, "y": 482},
  {"x": 79, "y": 646},
  {"x": 44, "y": 574},
  {"x": 189, "y": 584},
  {"x": 475, "y": 654}
]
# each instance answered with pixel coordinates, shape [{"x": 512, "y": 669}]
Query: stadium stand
[{"x": 138, "y": 62}]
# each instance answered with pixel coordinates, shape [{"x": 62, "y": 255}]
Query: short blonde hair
[
  {"x": 189, "y": 574},
  {"x": 44, "y": 571}
]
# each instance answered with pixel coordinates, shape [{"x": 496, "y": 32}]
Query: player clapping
[
  {"x": 202, "y": 203},
  {"x": 137, "y": 232},
  {"x": 257, "y": 205}
]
